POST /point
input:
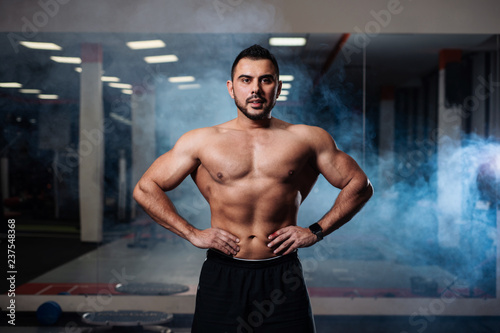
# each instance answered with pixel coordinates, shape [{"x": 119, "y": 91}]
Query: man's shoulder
[
  {"x": 308, "y": 131},
  {"x": 199, "y": 134},
  {"x": 315, "y": 137},
  {"x": 194, "y": 139},
  {"x": 203, "y": 135}
]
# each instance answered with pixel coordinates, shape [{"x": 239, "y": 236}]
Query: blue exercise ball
[{"x": 48, "y": 313}]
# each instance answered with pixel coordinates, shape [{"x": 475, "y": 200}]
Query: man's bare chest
[{"x": 232, "y": 158}]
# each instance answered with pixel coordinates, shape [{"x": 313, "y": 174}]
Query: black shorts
[{"x": 252, "y": 296}]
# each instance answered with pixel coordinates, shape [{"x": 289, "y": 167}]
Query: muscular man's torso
[{"x": 255, "y": 181}]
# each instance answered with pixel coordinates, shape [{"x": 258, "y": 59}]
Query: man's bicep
[
  {"x": 336, "y": 166},
  {"x": 170, "y": 169}
]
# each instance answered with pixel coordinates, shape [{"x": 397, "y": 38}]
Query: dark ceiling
[{"x": 392, "y": 59}]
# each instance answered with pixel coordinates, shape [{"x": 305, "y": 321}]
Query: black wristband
[{"x": 317, "y": 230}]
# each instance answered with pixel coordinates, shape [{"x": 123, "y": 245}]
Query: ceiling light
[
  {"x": 287, "y": 41},
  {"x": 120, "y": 118},
  {"x": 181, "y": 79},
  {"x": 10, "y": 85},
  {"x": 286, "y": 86},
  {"x": 284, "y": 93},
  {"x": 146, "y": 44},
  {"x": 66, "y": 60},
  {"x": 161, "y": 58},
  {"x": 282, "y": 98},
  {"x": 109, "y": 79},
  {"x": 286, "y": 78},
  {"x": 189, "y": 86},
  {"x": 47, "y": 96},
  {"x": 127, "y": 91},
  {"x": 41, "y": 46},
  {"x": 30, "y": 91},
  {"x": 120, "y": 85}
]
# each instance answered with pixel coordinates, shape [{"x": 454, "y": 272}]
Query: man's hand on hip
[
  {"x": 288, "y": 239},
  {"x": 215, "y": 238}
]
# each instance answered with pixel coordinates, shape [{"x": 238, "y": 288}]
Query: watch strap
[{"x": 317, "y": 230}]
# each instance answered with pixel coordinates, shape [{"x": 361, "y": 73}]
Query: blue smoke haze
[{"x": 400, "y": 224}]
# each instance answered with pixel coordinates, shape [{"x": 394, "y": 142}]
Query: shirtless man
[{"x": 254, "y": 171}]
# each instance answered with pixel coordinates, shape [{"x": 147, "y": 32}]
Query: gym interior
[{"x": 92, "y": 92}]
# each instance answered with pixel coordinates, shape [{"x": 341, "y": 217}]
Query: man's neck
[{"x": 248, "y": 124}]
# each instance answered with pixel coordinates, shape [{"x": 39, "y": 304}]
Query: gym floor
[{"x": 63, "y": 264}]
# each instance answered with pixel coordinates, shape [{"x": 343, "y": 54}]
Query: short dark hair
[{"x": 256, "y": 52}]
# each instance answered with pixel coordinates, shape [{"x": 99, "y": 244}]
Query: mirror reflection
[{"x": 419, "y": 114}]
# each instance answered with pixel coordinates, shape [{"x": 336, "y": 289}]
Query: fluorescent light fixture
[
  {"x": 66, "y": 60},
  {"x": 146, "y": 44},
  {"x": 181, "y": 79},
  {"x": 120, "y": 118},
  {"x": 286, "y": 86},
  {"x": 120, "y": 85},
  {"x": 109, "y": 79},
  {"x": 282, "y": 98},
  {"x": 127, "y": 91},
  {"x": 189, "y": 86},
  {"x": 41, "y": 46},
  {"x": 161, "y": 58},
  {"x": 47, "y": 96},
  {"x": 10, "y": 85},
  {"x": 30, "y": 91},
  {"x": 287, "y": 41},
  {"x": 286, "y": 78},
  {"x": 284, "y": 93}
]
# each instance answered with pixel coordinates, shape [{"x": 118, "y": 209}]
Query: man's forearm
[
  {"x": 161, "y": 209},
  {"x": 348, "y": 203}
]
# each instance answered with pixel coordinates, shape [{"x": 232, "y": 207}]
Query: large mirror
[{"x": 418, "y": 112}]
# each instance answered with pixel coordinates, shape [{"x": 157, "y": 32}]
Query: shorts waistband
[{"x": 228, "y": 260}]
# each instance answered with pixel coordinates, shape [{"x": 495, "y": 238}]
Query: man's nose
[{"x": 256, "y": 88}]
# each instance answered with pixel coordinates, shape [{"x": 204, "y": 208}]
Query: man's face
[{"x": 255, "y": 88}]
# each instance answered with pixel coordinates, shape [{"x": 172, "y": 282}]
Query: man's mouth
[{"x": 256, "y": 102}]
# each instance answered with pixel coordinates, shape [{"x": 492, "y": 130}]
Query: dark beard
[{"x": 263, "y": 115}]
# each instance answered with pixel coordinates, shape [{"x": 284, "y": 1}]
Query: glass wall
[{"x": 419, "y": 113}]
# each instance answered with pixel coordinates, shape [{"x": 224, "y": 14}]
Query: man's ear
[
  {"x": 278, "y": 93},
  {"x": 230, "y": 90}
]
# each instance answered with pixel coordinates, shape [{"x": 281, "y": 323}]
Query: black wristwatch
[{"x": 317, "y": 230}]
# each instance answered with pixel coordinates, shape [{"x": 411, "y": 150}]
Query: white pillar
[
  {"x": 448, "y": 177},
  {"x": 91, "y": 146},
  {"x": 143, "y": 134}
]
